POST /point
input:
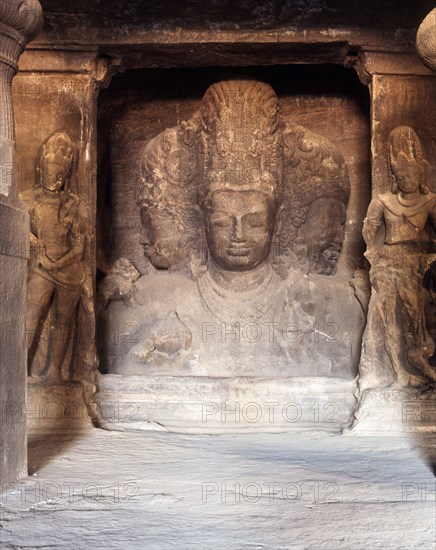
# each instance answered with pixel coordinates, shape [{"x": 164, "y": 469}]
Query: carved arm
[
  {"x": 373, "y": 222},
  {"x": 75, "y": 254}
]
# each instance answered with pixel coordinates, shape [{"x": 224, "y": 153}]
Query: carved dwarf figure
[
  {"x": 397, "y": 231},
  {"x": 56, "y": 273}
]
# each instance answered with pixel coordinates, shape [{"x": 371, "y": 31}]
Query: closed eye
[
  {"x": 224, "y": 221},
  {"x": 254, "y": 220}
]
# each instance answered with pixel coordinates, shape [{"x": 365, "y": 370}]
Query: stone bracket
[
  {"x": 88, "y": 62},
  {"x": 370, "y": 63}
]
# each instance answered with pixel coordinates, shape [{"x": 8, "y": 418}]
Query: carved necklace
[
  {"x": 247, "y": 306},
  {"x": 408, "y": 204}
]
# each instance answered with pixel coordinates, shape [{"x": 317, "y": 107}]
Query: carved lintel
[
  {"x": 100, "y": 68},
  {"x": 426, "y": 40}
]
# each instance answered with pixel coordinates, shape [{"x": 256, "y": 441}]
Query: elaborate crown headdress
[
  {"x": 57, "y": 149},
  {"x": 168, "y": 171},
  {"x": 404, "y": 147},
  {"x": 241, "y": 139},
  {"x": 314, "y": 169}
]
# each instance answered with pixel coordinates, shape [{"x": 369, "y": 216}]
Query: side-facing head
[
  {"x": 325, "y": 224},
  {"x": 167, "y": 205},
  {"x": 55, "y": 162},
  {"x": 318, "y": 187},
  {"x": 163, "y": 235}
]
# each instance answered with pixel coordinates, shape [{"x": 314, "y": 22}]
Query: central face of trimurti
[{"x": 239, "y": 228}]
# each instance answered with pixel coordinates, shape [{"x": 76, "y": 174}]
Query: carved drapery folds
[{"x": 246, "y": 212}]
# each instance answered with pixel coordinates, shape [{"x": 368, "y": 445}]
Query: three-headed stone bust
[{"x": 236, "y": 188}]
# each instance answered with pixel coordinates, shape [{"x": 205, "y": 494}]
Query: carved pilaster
[
  {"x": 59, "y": 89},
  {"x": 20, "y": 21}
]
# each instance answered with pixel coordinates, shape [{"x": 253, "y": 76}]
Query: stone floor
[{"x": 149, "y": 491}]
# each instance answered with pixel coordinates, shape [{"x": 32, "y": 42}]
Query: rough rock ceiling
[{"x": 235, "y": 14}]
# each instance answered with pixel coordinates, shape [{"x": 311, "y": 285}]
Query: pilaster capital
[
  {"x": 426, "y": 40},
  {"x": 20, "y": 22}
]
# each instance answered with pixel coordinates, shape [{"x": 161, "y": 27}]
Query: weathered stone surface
[
  {"x": 49, "y": 104},
  {"x": 219, "y": 13},
  {"x": 388, "y": 411},
  {"x": 401, "y": 101},
  {"x": 426, "y": 40},
  {"x": 133, "y": 31},
  {"x": 206, "y": 405},
  {"x": 162, "y": 491},
  {"x": 235, "y": 161},
  {"x": 20, "y": 21},
  {"x": 174, "y": 319},
  {"x": 398, "y": 231},
  {"x": 56, "y": 270},
  {"x": 57, "y": 409}
]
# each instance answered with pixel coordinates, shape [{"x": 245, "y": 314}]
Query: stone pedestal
[
  {"x": 224, "y": 405},
  {"x": 56, "y": 409},
  {"x": 392, "y": 412}
]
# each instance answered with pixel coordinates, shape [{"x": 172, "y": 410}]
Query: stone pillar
[{"x": 20, "y": 22}]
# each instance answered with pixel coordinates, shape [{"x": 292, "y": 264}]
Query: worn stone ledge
[
  {"x": 390, "y": 412},
  {"x": 224, "y": 405},
  {"x": 56, "y": 408}
]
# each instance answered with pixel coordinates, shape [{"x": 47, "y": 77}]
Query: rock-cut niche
[{"x": 230, "y": 211}]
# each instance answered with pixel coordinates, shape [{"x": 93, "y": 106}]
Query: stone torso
[
  {"x": 49, "y": 229},
  {"x": 293, "y": 327},
  {"x": 407, "y": 223}
]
